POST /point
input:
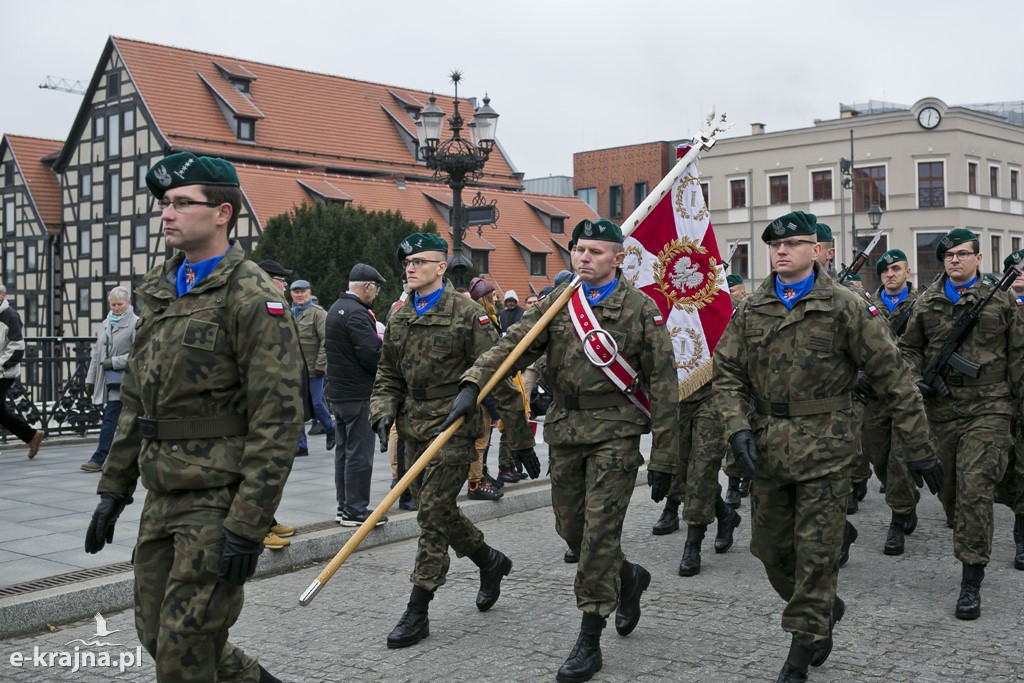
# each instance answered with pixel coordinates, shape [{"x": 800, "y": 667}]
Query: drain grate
[{"x": 64, "y": 579}]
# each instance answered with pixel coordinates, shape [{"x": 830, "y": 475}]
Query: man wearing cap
[
  {"x": 594, "y": 430},
  {"x": 211, "y": 412},
  {"x": 429, "y": 343},
  {"x": 897, "y": 296},
  {"x": 353, "y": 352},
  {"x": 311, "y": 319},
  {"x": 512, "y": 313},
  {"x": 737, "y": 290},
  {"x": 1010, "y": 489},
  {"x": 971, "y": 416},
  {"x": 278, "y": 273},
  {"x": 794, "y": 348}
]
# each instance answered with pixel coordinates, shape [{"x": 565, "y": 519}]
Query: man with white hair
[{"x": 12, "y": 349}]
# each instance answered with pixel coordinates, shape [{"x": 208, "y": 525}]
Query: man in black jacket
[{"x": 353, "y": 351}]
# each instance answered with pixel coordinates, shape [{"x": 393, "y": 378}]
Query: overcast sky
[{"x": 565, "y": 75}]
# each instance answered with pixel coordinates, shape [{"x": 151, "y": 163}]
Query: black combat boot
[
  {"x": 635, "y": 580},
  {"x": 494, "y": 566},
  {"x": 795, "y": 668},
  {"x": 849, "y": 536},
  {"x": 669, "y": 520},
  {"x": 1018, "y": 539},
  {"x": 728, "y": 520},
  {"x": 968, "y": 605},
  {"x": 910, "y": 522},
  {"x": 821, "y": 654},
  {"x": 690, "y": 564},
  {"x": 851, "y": 503},
  {"x": 585, "y": 658},
  {"x": 732, "y": 493},
  {"x": 570, "y": 557},
  {"x": 267, "y": 677},
  {"x": 861, "y": 489},
  {"x": 895, "y": 539},
  {"x": 744, "y": 487},
  {"x": 414, "y": 625}
]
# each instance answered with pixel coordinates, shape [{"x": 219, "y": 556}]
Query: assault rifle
[
  {"x": 899, "y": 323},
  {"x": 859, "y": 260},
  {"x": 947, "y": 355}
]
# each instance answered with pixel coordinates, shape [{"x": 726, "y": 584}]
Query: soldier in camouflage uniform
[
  {"x": 594, "y": 431},
  {"x": 897, "y": 296},
  {"x": 739, "y": 486},
  {"x": 1010, "y": 489},
  {"x": 972, "y": 422},
  {"x": 211, "y": 413},
  {"x": 794, "y": 348},
  {"x": 429, "y": 343}
]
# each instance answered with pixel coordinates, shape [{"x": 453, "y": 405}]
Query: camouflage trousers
[
  {"x": 701, "y": 445},
  {"x": 591, "y": 485},
  {"x": 862, "y": 463},
  {"x": 796, "y": 532},
  {"x": 1011, "y": 487},
  {"x": 974, "y": 452},
  {"x": 886, "y": 454},
  {"x": 442, "y": 524},
  {"x": 182, "y": 612}
]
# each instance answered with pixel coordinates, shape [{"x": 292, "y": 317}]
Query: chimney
[{"x": 757, "y": 129}]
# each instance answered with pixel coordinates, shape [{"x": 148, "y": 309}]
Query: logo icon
[
  {"x": 162, "y": 176},
  {"x": 101, "y": 632}
]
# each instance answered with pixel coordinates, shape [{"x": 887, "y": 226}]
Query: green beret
[
  {"x": 824, "y": 232},
  {"x": 734, "y": 280},
  {"x": 888, "y": 258},
  {"x": 954, "y": 237},
  {"x": 421, "y": 241},
  {"x": 790, "y": 225},
  {"x": 856, "y": 277},
  {"x": 1014, "y": 257},
  {"x": 185, "y": 168},
  {"x": 601, "y": 229}
]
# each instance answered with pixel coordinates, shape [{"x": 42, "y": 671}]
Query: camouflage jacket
[
  {"x": 902, "y": 308},
  {"x": 432, "y": 351},
  {"x": 629, "y": 316},
  {"x": 996, "y": 343},
  {"x": 812, "y": 353},
  {"x": 311, "y": 323},
  {"x": 216, "y": 351}
]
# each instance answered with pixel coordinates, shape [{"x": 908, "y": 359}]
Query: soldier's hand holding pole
[
  {"x": 528, "y": 459},
  {"x": 660, "y": 483},
  {"x": 745, "y": 449},
  {"x": 238, "y": 558},
  {"x": 927, "y": 471},
  {"x": 101, "y": 528},
  {"x": 464, "y": 405},
  {"x": 383, "y": 428}
]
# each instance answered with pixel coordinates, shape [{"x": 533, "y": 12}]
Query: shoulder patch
[
  {"x": 872, "y": 310},
  {"x": 658, "y": 320},
  {"x": 275, "y": 308},
  {"x": 1020, "y": 302},
  {"x": 483, "y": 320}
]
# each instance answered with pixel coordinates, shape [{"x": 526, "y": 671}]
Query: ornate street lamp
[
  {"x": 875, "y": 215},
  {"x": 459, "y": 160}
]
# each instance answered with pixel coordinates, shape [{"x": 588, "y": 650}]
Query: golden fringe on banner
[{"x": 696, "y": 380}]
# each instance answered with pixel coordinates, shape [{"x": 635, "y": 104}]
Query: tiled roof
[
  {"x": 43, "y": 185},
  {"x": 273, "y": 191},
  {"x": 308, "y": 119}
]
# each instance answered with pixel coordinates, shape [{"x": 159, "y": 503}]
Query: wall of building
[
  {"x": 24, "y": 248},
  {"x": 602, "y": 170}
]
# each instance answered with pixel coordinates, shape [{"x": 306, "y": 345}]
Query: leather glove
[
  {"x": 383, "y": 429},
  {"x": 238, "y": 558},
  {"x": 108, "y": 364},
  {"x": 927, "y": 471},
  {"x": 933, "y": 390},
  {"x": 464, "y": 404},
  {"x": 864, "y": 386},
  {"x": 89, "y": 388},
  {"x": 101, "y": 528},
  {"x": 528, "y": 459},
  {"x": 660, "y": 483},
  {"x": 745, "y": 449}
]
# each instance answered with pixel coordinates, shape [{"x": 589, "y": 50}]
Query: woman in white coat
[{"x": 109, "y": 356}]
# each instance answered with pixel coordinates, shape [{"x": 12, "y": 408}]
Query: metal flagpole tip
[{"x": 310, "y": 593}]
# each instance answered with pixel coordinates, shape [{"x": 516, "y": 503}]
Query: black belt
[
  {"x": 193, "y": 428},
  {"x": 590, "y": 401},
  {"x": 441, "y": 391},
  {"x": 802, "y": 408},
  {"x": 958, "y": 380}
]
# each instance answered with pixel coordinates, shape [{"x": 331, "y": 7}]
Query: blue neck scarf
[
  {"x": 596, "y": 295},
  {"x": 891, "y": 301},
  {"x": 422, "y": 304},
  {"x": 191, "y": 274},
  {"x": 793, "y": 292},
  {"x": 954, "y": 292},
  {"x": 299, "y": 309},
  {"x": 115, "y": 319}
]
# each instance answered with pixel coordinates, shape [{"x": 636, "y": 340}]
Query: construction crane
[{"x": 63, "y": 85}]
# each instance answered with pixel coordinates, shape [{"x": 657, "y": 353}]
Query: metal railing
[{"x": 50, "y": 394}]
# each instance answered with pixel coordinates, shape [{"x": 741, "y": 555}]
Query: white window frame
[
  {"x": 917, "y": 194},
  {"x": 746, "y": 191},
  {"x": 768, "y": 188},
  {"x": 999, "y": 180}
]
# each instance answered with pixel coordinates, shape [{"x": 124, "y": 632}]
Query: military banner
[{"x": 672, "y": 255}]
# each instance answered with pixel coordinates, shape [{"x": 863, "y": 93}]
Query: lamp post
[
  {"x": 458, "y": 160},
  {"x": 875, "y": 216}
]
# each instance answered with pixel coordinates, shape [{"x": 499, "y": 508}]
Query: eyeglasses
[
  {"x": 958, "y": 255},
  {"x": 375, "y": 285},
  {"x": 774, "y": 245},
  {"x": 278, "y": 278},
  {"x": 416, "y": 263},
  {"x": 183, "y": 205}
]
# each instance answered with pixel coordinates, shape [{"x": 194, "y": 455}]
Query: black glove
[
  {"x": 89, "y": 388},
  {"x": 745, "y": 450},
  {"x": 108, "y": 364},
  {"x": 383, "y": 429},
  {"x": 101, "y": 528},
  {"x": 528, "y": 459},
  {"x": 927, "y": 471},
  {"x": 238, "y": 558},
  {"x": 935, "y": 390},
  {"x": 464, "y": 405},
  {"x": 660, "y": 483},
  {"x": 864, "y": 387}
]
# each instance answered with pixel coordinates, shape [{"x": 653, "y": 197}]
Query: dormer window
[
  {"x": 557, "y": 225},
  {"x": 246, "y": 129},
  {"x": 241, "y": 84}
]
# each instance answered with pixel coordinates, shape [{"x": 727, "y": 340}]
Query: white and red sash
[{"x": 612, "y": 364}]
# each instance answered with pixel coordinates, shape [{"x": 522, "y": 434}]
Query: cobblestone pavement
[{"x": 722, "y": 625}]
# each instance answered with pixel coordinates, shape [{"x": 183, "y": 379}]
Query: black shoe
[
  {"x": 494, "y": 566},
  {"x": 635, "y": 580},
  {"x": 482, "y": 490},
  {"x": 851, "y": 503},
  {"x": 820, "y": 655},
  {"x": 494, "y": 482},
  {"x": 570, "y": 557},
  {"x": 690, "y": 564},
  {"x": 414, "y": 625},
  {"x": 331, "y": 440},
  {"x": 267, "y": 677},
  {"x": 1018, "y": 540},
  {"x": 346, "y": 519},
  {"x": 301, "y": 452},
  {"x": 795, "y": 668},
  {"x": 744, "y": 487},
  {"x": 317, "y": 428},
  {"x": 409, "y": 504},
  {"x": 585, "y": 658},
  {"x": 968, "y": 605},
  {"x": 669, "y": 520},
  {"x": 728, "y": 520},
  {"x": 849, "y": 536},
  {"x": 910, "y": 522},
  {"x": 732, "y": 493},
  {"x": 507, "y": 475},
  {"x": 895, "y": 540},
  {"x": 861, "y": 489}
]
